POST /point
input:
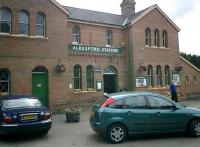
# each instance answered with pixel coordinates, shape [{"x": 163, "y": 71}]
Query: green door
[{"x": 39, "y": 86}]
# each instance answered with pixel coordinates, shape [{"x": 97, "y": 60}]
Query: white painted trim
[
  {"x": 149, "y": 10},
  {"x": 186, "y": 61}
]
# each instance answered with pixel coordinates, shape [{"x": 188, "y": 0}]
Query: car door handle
[
  {"x": 157, "y": 113},
  {"x": 129, "y": 113}
]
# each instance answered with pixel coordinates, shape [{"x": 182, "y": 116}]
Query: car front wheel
[
  {"x": 194, "y": 128},
  {"x": 116, "y": 133}
]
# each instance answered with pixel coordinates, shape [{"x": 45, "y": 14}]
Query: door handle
[
  {"x": 129, "y": 113},
  {"x": 157, "y": 113}
]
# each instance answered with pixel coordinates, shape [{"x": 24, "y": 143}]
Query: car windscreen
[
  {"x": 21, "y": 103},
  {"x": 100, "y": 101}
]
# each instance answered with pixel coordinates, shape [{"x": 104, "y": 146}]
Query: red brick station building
[{"x": 65, "y": 55}]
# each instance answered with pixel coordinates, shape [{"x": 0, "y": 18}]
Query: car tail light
[
  {"x": 7, "y": 119},
  {"x": 46, "y": 116},
  {"x": 107, "y": 102}
]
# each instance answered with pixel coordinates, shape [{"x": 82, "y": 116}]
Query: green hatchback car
[{"x": 118, "y": 115}]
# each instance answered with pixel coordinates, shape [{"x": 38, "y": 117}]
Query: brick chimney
[{"x": 128, "y": 8}]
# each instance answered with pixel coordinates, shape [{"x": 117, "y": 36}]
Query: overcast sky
[{"x": 185, "y": 13}]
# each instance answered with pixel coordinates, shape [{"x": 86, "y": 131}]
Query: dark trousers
[{"x": 174, "y": 97}]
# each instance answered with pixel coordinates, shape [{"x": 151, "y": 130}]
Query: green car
[{"x": 118, "y": 115}]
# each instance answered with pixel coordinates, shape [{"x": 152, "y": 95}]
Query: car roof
[
  {"x": 10, "y": 97},
  {"x": 119, "y": 95}
]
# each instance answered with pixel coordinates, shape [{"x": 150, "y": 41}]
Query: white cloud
[{"x": 183, "y": 12}]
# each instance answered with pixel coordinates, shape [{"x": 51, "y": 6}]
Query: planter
[{"x": 72, "y": 115}]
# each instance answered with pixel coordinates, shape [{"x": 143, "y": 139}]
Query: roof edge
[
  {"x": 152, "y": 8},
  {"x": 95, "y": 23},
  {"x": 186, "y": 61},
  {"x": 59, "y": 6}
]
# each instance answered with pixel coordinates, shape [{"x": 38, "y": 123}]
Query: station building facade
[{"x": 66, "y": 55}]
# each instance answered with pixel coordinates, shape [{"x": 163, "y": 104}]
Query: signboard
[
  {"x": 176, "y": 78},
  {"x": 141, "y": 81},
  {"x": 99, "y": 85},
  {"x": 94, "y": 49}
]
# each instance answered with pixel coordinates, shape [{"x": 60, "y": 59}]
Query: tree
[{"x": 194, "y": 59}]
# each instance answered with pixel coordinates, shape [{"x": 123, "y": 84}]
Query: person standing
[{"x": 173, "y": 91}]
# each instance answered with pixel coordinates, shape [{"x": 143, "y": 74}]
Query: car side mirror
[{"x": 176, "y": 107}]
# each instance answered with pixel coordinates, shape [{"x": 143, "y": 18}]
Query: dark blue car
[{"x": 23, "y": 114}]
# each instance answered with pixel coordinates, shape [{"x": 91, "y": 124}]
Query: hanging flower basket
[
  {"x": 60, "y": 67},
  {"x": 142, "y": 68}
]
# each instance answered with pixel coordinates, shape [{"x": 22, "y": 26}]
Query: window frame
[
  {"x": 7, "y": 21},
  {"x": 165, "y": 39},
  {"x": 147, "y": 37},
  {"x": 41, "y": 14},
  {"x": 23, "y": 23},
  {"x": 76, "y": 35},
  {"x": 150, "y": 76},
  {"x": 90, "y": 77},
  {"x": 158, "y": 76},
  {"x": 156, "y": 38},
  {"x": 5, "y": 81},
  {"x": 150, "y": 98},
  {"x": 109, "y": 38},
  {"x": 77, "y": 77},
  {"x": 167, "y": 75},
  {"x": 187, "y": 80},
  {"x": 194, "y": 80}
]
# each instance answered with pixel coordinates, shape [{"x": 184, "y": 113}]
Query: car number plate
[{"x": 29, "y": 117}]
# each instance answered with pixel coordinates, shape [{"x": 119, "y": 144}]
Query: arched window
[
  {"x": 5, "y": 20},
  {"x": 40, "y": 24},
  {"x": 4, "y": 81},
  {"x": 148, "y": 37},
  {"x": 186, "y": 80},
  {"x": 165, "y": 39},
  {"x": 109, "y": 38},
  {"x": 23, "y": 22},
  {"x": 158, "y": 76},
  {"x": 90, "y": 77},
  {"x": 167, "y": 75},
  {"x": 194, "y": 80},
  {"x": 77, "y": 77},
  {"x": 76, "y": 35},
  {"x": 156, "y": 38},
  {"x": 150, "y": 76}
]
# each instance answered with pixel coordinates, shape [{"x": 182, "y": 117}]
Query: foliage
[{"x": 194, "y": 59}]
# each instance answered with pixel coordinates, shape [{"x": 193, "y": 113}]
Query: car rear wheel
[
  {"x": 116, "y": 133},
  {"x": 194, "y": 128}
]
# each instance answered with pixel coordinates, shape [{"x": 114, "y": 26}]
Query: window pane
[
  {"x": 40, "y": 19},
  {"x": 76, "y": 34},
  {"x": 23, "y": 17},
  {"x": 21, "y": 103},
  {"x": 159, "y": 103},
  {"x": 23, "y": 23},
  {"x": 77, "y": 77},
  {"x": 23, "y": 29},
  {"x": 135, "y": 102},
  {"x": 109, "y": 37},
  {"x": 4, "y": 80},
  {"x": 5, "y": 15},
  {"x": 40, "y": 30},
  {"x": 5, "y": 21},
  {"x": 5, "y": 27},
  {"x": 40, "y": 25}
]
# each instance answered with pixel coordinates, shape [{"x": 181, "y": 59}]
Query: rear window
[
  {"x": 100, "y": 101},
  {"x": 21, "y": 103}
]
